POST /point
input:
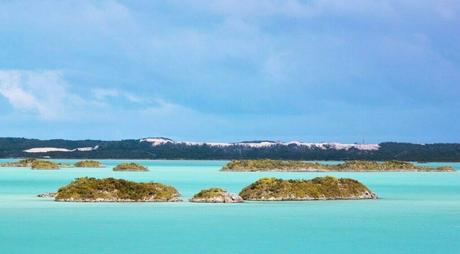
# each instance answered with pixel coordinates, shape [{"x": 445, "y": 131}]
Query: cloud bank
[{"x": 250, "y": 69}]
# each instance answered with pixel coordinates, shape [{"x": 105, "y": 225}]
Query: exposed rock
[
  {"x": 47, "y": 195},
  {"x": 216, "y": 195}
]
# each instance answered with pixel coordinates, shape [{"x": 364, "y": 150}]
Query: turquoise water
[{"x": 417, "y": 213}]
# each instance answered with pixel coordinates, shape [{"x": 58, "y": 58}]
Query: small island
[
  {"x": 88, "y": 164},
  {"x": 347, "y": 166},
  {"x": 216, "y": 195},
  {"x": 88, "y": 189},
  {"x": 319, "y": 188},
  {"x": 35, "y": 164},
  {"x": 130, "y": 167},
  {"x": 19, "y": 164},
  {"x": 42, "y": 164}
]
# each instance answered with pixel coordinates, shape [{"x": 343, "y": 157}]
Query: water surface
[{"x": 417, "y": 213}]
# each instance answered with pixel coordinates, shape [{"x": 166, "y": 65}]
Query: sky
[{"x": 230, "y": 70}]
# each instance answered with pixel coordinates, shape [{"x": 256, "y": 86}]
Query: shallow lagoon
[{"x": 418, "y": 213}]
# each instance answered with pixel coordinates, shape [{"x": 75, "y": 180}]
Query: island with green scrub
[
  {"x": 88, "y": 189},
  {"x": 347, "y": 166},
  {"x": 129, "y": 167},
  {"x": 43, "y": 164},
  {"x": 319, "y": 188},
  {"x": 216, "y": 195},
  {"x": 24, "y": 163},
  {"x": 35, "y": 164},
  {"x": 88, "y": 164}
]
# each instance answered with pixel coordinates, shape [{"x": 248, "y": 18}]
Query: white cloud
[
  {"x": 16, "y": 95},
  {"x": 49, "y": 96},
  {"x": 41, "y": 92},
  {"x": 102, "y": 94}
]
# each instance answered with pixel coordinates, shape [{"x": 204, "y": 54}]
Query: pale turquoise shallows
[{"x": 417, "y": 213}]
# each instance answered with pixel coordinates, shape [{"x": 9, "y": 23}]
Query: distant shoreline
[
  {"x": 268, "y": 165},
  {"x": 167, "y": 149},
  {"x": 187, "y": 159}
]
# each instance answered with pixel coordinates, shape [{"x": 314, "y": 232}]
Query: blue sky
[{"x": 231, "y": 70}]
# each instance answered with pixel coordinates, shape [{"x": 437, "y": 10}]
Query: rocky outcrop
[
  {"x": 35, "y": 164},
  {"x": 129, "y": 167},
  {"x": 88, "y": 164},
  {"x": 216, "y": 195},
  {"x": 20, "y": 164},
  {"x": 115, "y": 190},
  {"x": 47, "y": 195},
  {"x": 42, "y": 164},
  {"x": 319, "y": 188},
  {"x": 347, "y": 166}
]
